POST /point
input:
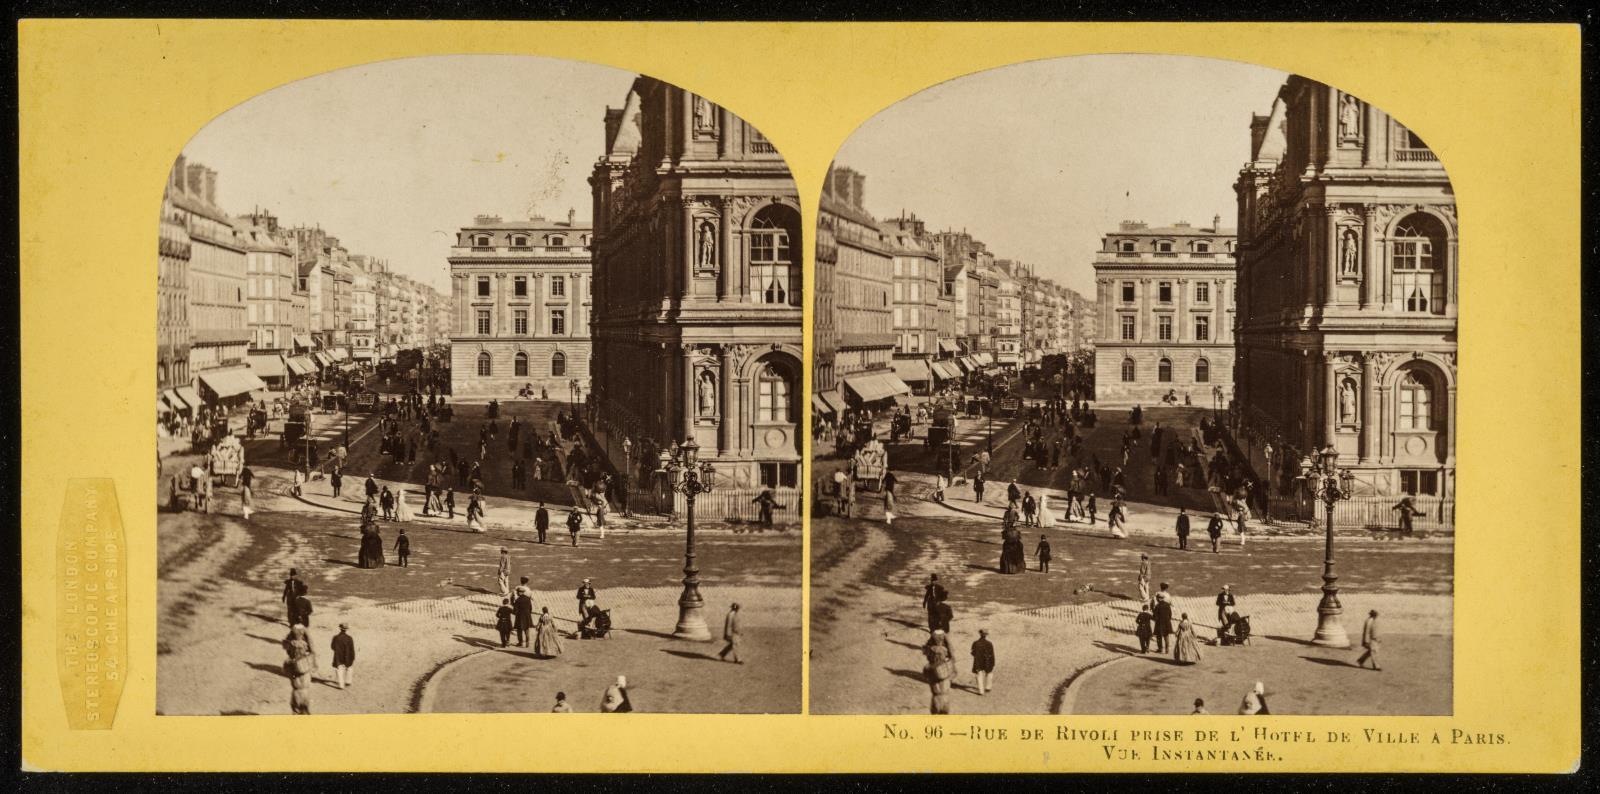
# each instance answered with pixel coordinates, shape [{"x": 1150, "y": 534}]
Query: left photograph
[{"x": 478, "y": 391}]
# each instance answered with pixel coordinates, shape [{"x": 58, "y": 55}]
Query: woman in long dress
[
  {"x": 402, "y": 508},
  {"x": 1046, "y": 518},
  {"x": 371, "y": 547},
  {"x": 547, "y": 641},
  {"x": 299, "y": 666},
  {"x": 475, "y": 513},
  {"x": 1187, "y": 649},
  {"x": 939, "y": 671},
  {"x": 1012, "y": 555}
]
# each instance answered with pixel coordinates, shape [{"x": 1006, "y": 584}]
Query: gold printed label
[{"x": 91, "y": 604}]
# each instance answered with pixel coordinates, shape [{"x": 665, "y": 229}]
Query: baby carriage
[
  {"x": 596, "y": 625},
  {"x": 1237, "y": 632}
]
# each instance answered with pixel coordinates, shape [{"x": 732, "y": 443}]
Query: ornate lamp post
[
  {"x": 1333, "y": 487},
  {"x": 691, "y": 481}
]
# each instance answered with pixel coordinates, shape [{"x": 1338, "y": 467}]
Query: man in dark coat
[
  {"x": 337, "y": 481},
  {"x": 1183, "y": 528},
  {"x": 300, "y": 608},
  {"x": 1013, "y": 494},
  {"x": 523, "y": 606},
  {"x": 585, "y": 594},
  {"x": 983, "y": 661},
  {"x": 1163, "y": 615},
  {"x": 1224, "y": 600},
  {"x": 1369, "y": 641},
  {"x": 541, "y": 521},
  {"x": 1144, "y": 627},
  {"x": 402, "y": 548},
  {"x": 1042, "y": 551},
  {"x": 450, "y": 501},
  {"x": 1214, "y": 529},
  {"x": 943, "y": 614},
  {"x": 574, "y": 524},
  {"x": 344, "y": 655},
  {"x": 932, "y": 595},
  {"x": 372, "y": 486},
  {"x": 292, "y": 586}
]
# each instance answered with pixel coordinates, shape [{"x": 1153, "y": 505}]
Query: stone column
[
  {"x": 1330, "y": 398},
  {"x": 1369, "y": 249},
  {"x": 500, "y": 324},
  {"x": 726, "y": 287},
  {"x": 1144, "y": 332},
  {"x": 1330, "y": 232},
  {"x": 686, "y": 227},
  {"x": 1368, "y": 128},
  {"x": 686, "y": 394},
  {"x": 575, "y": 298},
  {"x": 537, "y": 317},
  {"x": 1181, "y": 319},
  {"x": 728, "y": 427},
  {"x": 458, "y": 294},
  {"x": 1369, "y": 393}
]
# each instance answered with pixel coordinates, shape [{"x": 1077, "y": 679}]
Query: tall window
[
  {"x": 774, "y": 277},
  {"x": 558, "y": 286},
  {"x": 1416, "y": 402},
  {"x": 558, "y": 322},
  {"x": 558, "y": 364},
  {"x": 1164, "y": 370},
  {"x": 483, "y": 286},
  {"x": 519, "y": 365},
  {"x": 1202, "y": 329},
  {"x": 485, "y": 367},
  {"x": 1127, "y": 292},
  {"x": 519, "y": 286},
  {"x": 1127, "y": 370},
  {"x": 1417, "y": 280},
  {"x": 1202, "y": 371},
  {"x": 772, "y": 395},
  {"x": 1165, "y": 292},
  {"x": 519, "y": 320},
  {"x": 483, "y": 322},
  {"x": 1127, "y": 328},
  {"x": 1202, "y": 292},
  {"x": 1164, "y": 327}
]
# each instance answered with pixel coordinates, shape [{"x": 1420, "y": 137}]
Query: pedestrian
[
  {"x": 386, "y": 500},
  {"x": 765, "y": 503},
  {"x": 561, "y": 706},
  {"x": 292, "y": 586},
  {"x": 516, "y": 474},
  {"x": 546, "y": 640},
  {"x": 1013, "y": 494},
  {"x": 932, "y": 594},
  {"x": 1117, "y": 518},
  {"x": 541, "y": 521},
  {"x": 1255, "y": 701},
  {"x": 1369, "y": 641},
  {"x": 299, "y": 666},
  {"x": 503, "y": 571},
  {"x": 1029, "y": 508},
  {"x": 601, "y": 510},
  {"x": 502, "y": 621},
  {"x": 1144, "y": 627},
  {"x": 1199, "y": 703},
  {"x": 574, "y": 524},
  {"x": 475, "y": 508},
  {"x": 1163, "y": 615},
  {"x": 246, "y": 477},
  {"x": 888, "y": 506},
  {"x": 1224, "y": 601},
  {"x": 1042, "y": 551},
  {"x": 586, "y": 596},
  {"x": 731, "y": 633},
  {"x": 402, "y": 548},
  {"x": 522, "y": 609},
  {"x": 1183, "y": 529},
  {"x": 977, "y": 487},
  {"x": 1214, "y": 529},
  {"x": 983, "y": 662},
  {"x": 1407, "y": 508},
  {"x": 344, "y": 655},
  {"x": 1186, "y": 650},
  {"x": 1043, "y": 518},
  {"x": 1239, "y": 523},
  {"x": 372, "y": 486},
  {"x": 938, "y": 672},
  {"x": 943, "y": 613},
  {"x": 616, "y": 698},
  {"x": 1144, "y": 578},
  {"x": 402, "y": 508},
  {"x": 1092, "y": 509}
]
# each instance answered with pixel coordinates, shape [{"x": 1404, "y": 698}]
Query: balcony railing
[{"x": 1415, "y": 156}]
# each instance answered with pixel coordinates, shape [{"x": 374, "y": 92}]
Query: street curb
[
  {"x": 1067, "y": 699},
  {"x": 422, "y": 702}
]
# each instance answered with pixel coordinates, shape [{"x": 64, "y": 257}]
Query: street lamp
[
  {"x": 1216, "y": 403},
  {"x": 691, "y": 480},
  {"x": 1334, "y": 485}
]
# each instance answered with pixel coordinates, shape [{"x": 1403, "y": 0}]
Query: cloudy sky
[
  {"x": 393, "y": 157},
  {"x": 1040, "y": 159}
]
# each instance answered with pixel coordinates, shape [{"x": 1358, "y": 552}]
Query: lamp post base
[
  {"x": 692, "y": 618},
  {"x": 1330, "y": 627}
]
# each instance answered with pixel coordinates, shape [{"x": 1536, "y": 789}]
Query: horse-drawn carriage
[
  {"x": 869, "y": 465},
  {"x": 226, "y": 459}
]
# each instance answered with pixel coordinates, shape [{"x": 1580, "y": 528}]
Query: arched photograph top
[
  {"x": 1114, "y": 359},
  {"x": 451, "y": 351}
]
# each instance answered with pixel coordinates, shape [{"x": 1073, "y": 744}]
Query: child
[
  {"x": 402, "y": 547},
  {"x": 1043, "y": 553}
]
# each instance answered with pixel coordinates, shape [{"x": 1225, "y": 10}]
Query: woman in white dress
[
  {"x": 1046, "y": 518},
  {"x": 402, "y": 508}
]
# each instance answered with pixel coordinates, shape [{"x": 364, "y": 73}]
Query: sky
[
  {"x": 1039, "y": 160},
  {"x": 394, "y": 157}
]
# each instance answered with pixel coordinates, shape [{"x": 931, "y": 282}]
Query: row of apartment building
[
  {"x": 244, "y": 302},
  {"x": 901, "y": 309}
]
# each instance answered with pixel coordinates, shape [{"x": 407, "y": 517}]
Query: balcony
[
  {"x": 1415, "y": 156},
  {"x": 519, "y": 252}
]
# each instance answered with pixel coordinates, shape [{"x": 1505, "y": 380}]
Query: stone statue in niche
[
  {"x": 1349, "y": 253},
  {"x": 1347, "y": 403},
  {"x": 703, "y": 120},
  {"x": 1349, "y": 117},
  {"x": 706, "y": 246},
  {"x": 707, "y": 393}
]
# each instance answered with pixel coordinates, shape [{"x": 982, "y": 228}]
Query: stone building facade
[
  {"x": 1166, "y": 311},
  {"x": 173, "y": 332},
  {"x": 863, "y": 283},
  {"x": 697, "y": 257},
  {"x": 220, "y": 333},
  {"x": 1348, "y": 292},
  {"x": 271, "y": 275},
  {"x": 522, "y": 296}
]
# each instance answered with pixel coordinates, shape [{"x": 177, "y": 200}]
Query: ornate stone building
[
  {"x": 1347, "y": 291},
  {"x": 1165, "y": 308},
  {"x": 521, "y": 293},
  {"x": 173, "y": 332},
  {"x": 697, "y": 329},
  {"x": 862, "y": 282}
]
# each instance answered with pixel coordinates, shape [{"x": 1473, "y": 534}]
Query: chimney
[
  {"x": 211, "y": 187},
  {"x": 175, "y": 179},
  {"x": 194, "y": 180},
  {"x": 858, "y": 189},
  {"x": 572, "y": 217},
  {"x": 1216, "y": 223}
]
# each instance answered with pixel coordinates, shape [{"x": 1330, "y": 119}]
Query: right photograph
[{"x": 1134, "y": 392}]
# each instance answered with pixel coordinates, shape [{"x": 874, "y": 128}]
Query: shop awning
[
  {"x": 912, "y": 370},
  {"x": 189, "y": 395},
  {"x": 300, "y": 365},
  {"x": 830, "y": 402},
  {"x": 947, "y": 370},
  {"x": 266, "y": 365},
  {"x": 302, "y": 342},
  {"x": 983, "y": 359},
  {"x": 967, "y": 363},
  {"x": 876, "y": 386},
  {"x": 170, "y": 397},
  {"x": 341, "y": 354},
  {"x": 322, "y": 358},
  {"x": 231, "y": 382},
  {"x": 947, "y": 346}
]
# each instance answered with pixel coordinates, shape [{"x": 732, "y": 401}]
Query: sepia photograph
[
  {"x": 478, "y": 392},
  {"x": 1134, "y": 392}
]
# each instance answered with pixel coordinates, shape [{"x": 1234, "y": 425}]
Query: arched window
[
  {"x": 772, "y": 394},
  {"x": 1164, "y": 370},
  {"x": 485, "y": 367},
  {"x": 1127, "y": 370},
  {"x": 1416, "y": 264},
  {"x": 774, "y": 272},
  {"x": 1202, "y": 371},
  {"x": 1416, "y": 401},
  {"x": 558, "y": 364},
  {"x": 519, "y": 365}
]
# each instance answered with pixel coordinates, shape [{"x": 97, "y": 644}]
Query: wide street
[
  {"x": 424, "y": 633},
  {"x": 1064, "y": 639}
]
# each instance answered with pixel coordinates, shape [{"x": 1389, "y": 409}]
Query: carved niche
[{"x": 1349, "y": 120}]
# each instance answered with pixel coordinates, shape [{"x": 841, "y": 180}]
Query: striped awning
[
  {"x": 322, "y": 358},
  {"x": 968, "y": 364},
  {"x": 170, "y": 396},
  {"x": 912, "y": 370},
  {"x": 190, "y": 395},
  {"x": 831, "y": 402},
  {"x": 302, "y": 342},
  {"x": 227, "y": 383},
  {"x": 947, "y": 346},
  {"x": 266, "y": 365},
  {"x": 876, "y": 386},
  {"x": 946, "y": 370},
  {"x": 300, "y": 365},
  {"x": 983, "y": 359},
  {"x": 341, "y": 354}
]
